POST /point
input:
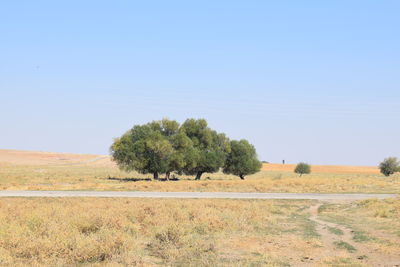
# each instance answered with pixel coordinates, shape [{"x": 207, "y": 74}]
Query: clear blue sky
[{"x": 314, "y": 81}]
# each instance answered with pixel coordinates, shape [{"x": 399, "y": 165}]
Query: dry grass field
[
  {"x": 143, "y": 232},
  {"x": 56, "y": 171},
  {"x": 184, "y": 232}
]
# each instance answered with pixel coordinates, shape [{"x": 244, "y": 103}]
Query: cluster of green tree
[
  {"x": 389, "y": 166},
  {"x": 163, "y": 147}
]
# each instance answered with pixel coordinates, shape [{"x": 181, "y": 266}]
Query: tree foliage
[
  {"x": 142, "y": 149},
  {"x": 389, "y": 166},
  {"x": 191, "y": 148},
  {"x": 242, "y": 160},
  {"x": 210, "y": 148},
  {"x": 302, "y": 168}
]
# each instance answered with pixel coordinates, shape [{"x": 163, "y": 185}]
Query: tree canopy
[
  {"x": 242, "y": 160},
  {"x": 389, "y": 166},
  {"x": 142, "y": 149},
  {"x": 191, "y": 148},
  {"x": 302, "y": 168},
  {"x": 210, "y": 148}
]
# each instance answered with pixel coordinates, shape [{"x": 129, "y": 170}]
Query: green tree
[
  {"x": 165, "y": 126},
  {"x": 389, "y": 166},
  {"x": 169, "y": 129},
  {"x": 302, "y": 168},
  {"x": 184, "y": 155},
  {"x": 144, "y": 149},
  {"x": 210, "y": 148},
  {"x": 242, "y": 160}
]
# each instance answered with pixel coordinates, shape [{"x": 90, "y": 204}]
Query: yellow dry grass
[
  {"x": 144, "y": 232},
  {"x": 54, "y": 171},
  {"x": 118, "y": 232}
]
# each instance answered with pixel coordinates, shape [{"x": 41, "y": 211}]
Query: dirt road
[{"x": 226, "y": 195}]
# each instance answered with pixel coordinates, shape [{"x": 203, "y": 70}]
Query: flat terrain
[
  {"x": 102, "y": 225},
  {"x": 27, "y": 170},
  {"x": 201, "y": 195},
  {"x": 198, "y": 232}
]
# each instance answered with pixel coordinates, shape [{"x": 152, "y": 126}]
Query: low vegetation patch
[
  {"x": 141, "y": 232},
  {"x": 148, "y": 232},
  {"x": 335, "y": 231},
  {"x": 344, "y": 245},
  {"x": 373, "y": 222}
]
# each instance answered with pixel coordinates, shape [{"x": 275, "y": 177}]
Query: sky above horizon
[{"x": 313, "y": 81}]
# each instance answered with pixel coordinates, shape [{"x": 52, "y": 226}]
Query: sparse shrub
[
  {"x": 389, "y": 166},
  {"x": 98, "y": 248},
  {"x": 166, "y": 243},
  {"x": 302, "y": 168},
  {"x": 383, "y": 213},
  {"x": 171, "y": 236}
]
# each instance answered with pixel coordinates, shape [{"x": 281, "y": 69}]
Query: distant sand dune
[{"x": 19, "y": 157}]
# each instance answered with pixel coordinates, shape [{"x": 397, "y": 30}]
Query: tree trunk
[
  {"x": 167, "y": 175},
  {"x": 241, "y": 176},
  {"x": 155, "y": 175},
  {"x": 198, "y": 175}
]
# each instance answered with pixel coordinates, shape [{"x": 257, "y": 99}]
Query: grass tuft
[
  {"x": 344, "y": 245},
  {"x": 335, "y": 231}
]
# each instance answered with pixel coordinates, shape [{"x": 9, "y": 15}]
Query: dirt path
[{"x": 357, "y": 251}]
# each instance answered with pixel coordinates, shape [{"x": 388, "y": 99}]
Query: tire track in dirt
[{"x": 362, "y": 254}]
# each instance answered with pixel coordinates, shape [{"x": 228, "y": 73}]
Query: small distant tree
[
  {"x": 302, "y": 168},
  {"x": 242, "y": 160},
  {"x": 389, "y": 166}
]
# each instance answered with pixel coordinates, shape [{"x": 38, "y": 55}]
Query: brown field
[
  {"x": 324, "y": 169},
  {"x": 26, "y": 170},
  {"x": 143, "y": 232}
]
